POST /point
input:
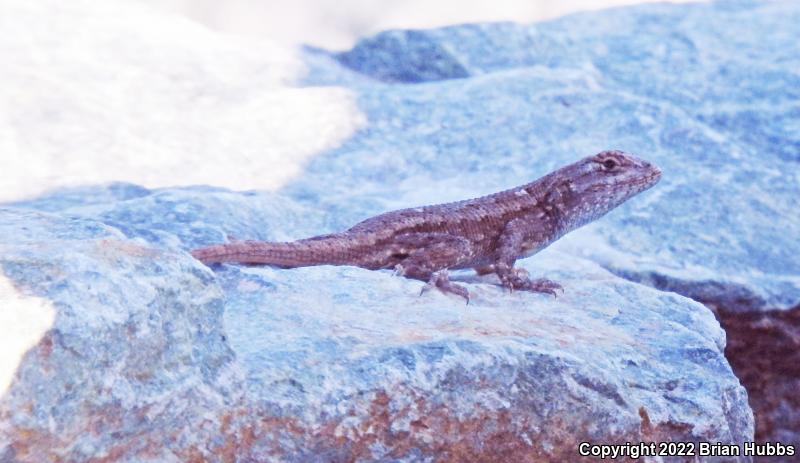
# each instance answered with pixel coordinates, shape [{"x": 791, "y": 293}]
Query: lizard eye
[{"x": 609, "y": 164}]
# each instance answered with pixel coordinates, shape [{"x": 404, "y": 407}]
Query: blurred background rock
[{"x": 337, "y": 24}]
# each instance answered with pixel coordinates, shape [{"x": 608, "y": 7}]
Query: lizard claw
[
  {"x": 543, "y": 285},
  {"x": 441, "y": 281},
  {"x": 520, "y": 281},
  {"x": 425, "y": 288}
]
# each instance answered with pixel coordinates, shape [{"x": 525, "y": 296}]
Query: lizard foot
[
  {"x": 518, "y": 279},
  {"x": 441, "y": 281}
]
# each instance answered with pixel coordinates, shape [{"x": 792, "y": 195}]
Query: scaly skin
[{"x": 488, "y": 233}]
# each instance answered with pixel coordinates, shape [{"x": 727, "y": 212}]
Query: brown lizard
[{"x": 488, "y": 233}]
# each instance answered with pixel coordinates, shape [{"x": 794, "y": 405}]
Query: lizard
[{"x": 488, "y": 233}]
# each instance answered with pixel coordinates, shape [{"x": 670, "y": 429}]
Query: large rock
[
  {"x": 148, "y": 360},
  {"x": 151, "y": 99},
  {"x": 700, "y": 90},
  {"x": 708, "y": 92},
  {"x": 135, "y": 360},
  {"x": 341, "y": 363}
]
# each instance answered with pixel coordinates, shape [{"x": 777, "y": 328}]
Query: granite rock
[
  {"x": 701, "y": 90},
  {"x": 709, "y": 92},
  {"x": 135, "y": 360},
  {"x": 153, "y": 357}
]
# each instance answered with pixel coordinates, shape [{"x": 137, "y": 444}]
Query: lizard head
[{"x": 601, "y": 182}]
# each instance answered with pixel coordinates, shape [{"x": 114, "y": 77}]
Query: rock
[
  {"x": 175, "y": 105},
  {"x": 764, "y": 351},
  {"x": 340, "y": 363},
  {"x": 135, "y": 361},
  {"x": 708, "y": 92},
  {"x": 403, "y": 56},
  {"x": 147, "y": 360},
  {"x": 670, "y": 83}
]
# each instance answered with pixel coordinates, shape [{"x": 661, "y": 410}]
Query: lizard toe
[
  {"x": 398, "y": 270},
  {"x": 541, "y": 285},
  {"x": 458, "y": 290},
  {"x": 441, "y": 281},
  {"x": 546, "y": 286}
]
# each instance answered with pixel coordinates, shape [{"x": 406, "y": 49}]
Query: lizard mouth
[
  {"x": 650, "y": 179},
  {"x": 654, "y": 177},
  {"x": 644, "y": 183},
  {"x": 647, "y": 182},
  {"x": 637, "y": 184}
]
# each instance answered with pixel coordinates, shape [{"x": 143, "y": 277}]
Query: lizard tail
[{"x": 322, "y": 250}]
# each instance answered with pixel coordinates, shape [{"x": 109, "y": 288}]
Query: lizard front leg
[
  {"x": 429, "y": 257},
  {"x": 509, "y": 247}
]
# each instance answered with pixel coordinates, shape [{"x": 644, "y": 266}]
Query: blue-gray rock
[
  {"x": 708, "y": 92},
  {"x": 136, "y": 359},
  {"x": 153, "y": 357}
]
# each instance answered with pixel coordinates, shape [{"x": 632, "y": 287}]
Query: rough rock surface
[
  {"x": 764, "y": 350},
  {"x": 153, "y": 357},
  {"x": 147, "y": 360},
  {"x": 701, "y": 90},
  {"x": 709, "y": 92}
]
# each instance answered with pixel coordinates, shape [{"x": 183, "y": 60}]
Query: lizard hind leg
[
  {"x": 430, "y": 257},
  {"x": 441, "y": 280}
]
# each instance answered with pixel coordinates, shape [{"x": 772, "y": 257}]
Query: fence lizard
[{"x": 488, "y": 233}]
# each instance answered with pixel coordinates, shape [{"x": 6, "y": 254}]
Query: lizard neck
[{"x": 561, "y": 205}]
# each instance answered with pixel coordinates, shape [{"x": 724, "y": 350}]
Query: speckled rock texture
[
  {"x": 708, "y": 92},
  {"x": 151, "y": 356},
  {"x": 701, "y": 90}
]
